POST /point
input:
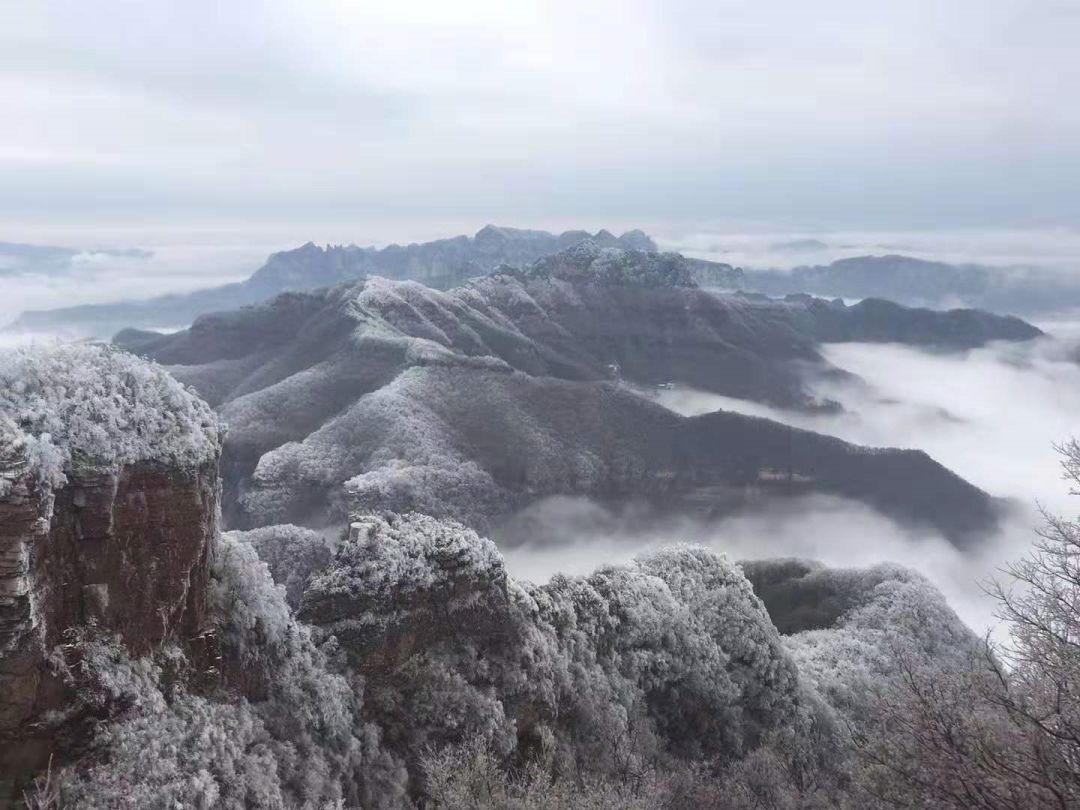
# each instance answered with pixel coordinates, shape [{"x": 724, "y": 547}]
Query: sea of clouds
[{"x": 992, "y": 415}]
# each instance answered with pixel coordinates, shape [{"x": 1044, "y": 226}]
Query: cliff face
[
  {"x": 127, "y": 550},
  {"x": 113, "y": 526}
]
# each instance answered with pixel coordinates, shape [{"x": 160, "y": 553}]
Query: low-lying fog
[
  {"x": 1053, "y": 249},
  {"x": 991, "y": 415},
  {"x": 92, "y": 277}
]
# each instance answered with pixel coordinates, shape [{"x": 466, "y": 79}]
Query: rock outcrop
[
  {"x": 109, "y": 504},
  {"x": 425, "y": 609}
]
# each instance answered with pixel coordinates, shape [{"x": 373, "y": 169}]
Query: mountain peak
[{"x": 592, "y": 263}]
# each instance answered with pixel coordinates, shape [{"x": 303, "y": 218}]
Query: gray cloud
[{"x": 252, "y": 111}]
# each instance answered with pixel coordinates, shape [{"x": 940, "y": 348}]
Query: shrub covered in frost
[
  {"x": 672, "y": 656},
  {"x": 849, "y": 626},
  {"x": 429, "y": 677},
  {"x": 291, "y": 553},
  {"x": 286, "y": 734},
  {"x": 67, "y": 406}
]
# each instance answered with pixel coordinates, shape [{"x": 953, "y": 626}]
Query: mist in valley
[
  {"x": 991, "y": 415},
  {"x": 93, "y": 277}
]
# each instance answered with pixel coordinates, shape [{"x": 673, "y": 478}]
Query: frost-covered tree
[
  {"x": 292, "y": 554},
  {"x": 1004, "y": 730},
  {"x": 75, "y": 405},
  {"x": 278, "y": 727}
]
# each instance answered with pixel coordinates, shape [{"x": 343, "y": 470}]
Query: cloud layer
[
  {"x": 841, "y": 110},
  {"x": 992, "y": 415}
]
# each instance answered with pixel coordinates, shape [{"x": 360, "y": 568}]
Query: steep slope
[
  {"x": 476, "y": 445},
  {"x": 472, "y": 402},
  {"x": 442, "y": 264}
]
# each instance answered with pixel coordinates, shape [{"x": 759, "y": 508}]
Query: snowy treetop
[
  {"x": 389, "y": 557},
  {"x": 72, "y": 406}
]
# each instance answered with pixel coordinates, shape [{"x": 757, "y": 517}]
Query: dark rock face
[
  {"x": 442, "y": 264},
  {"x": 127, "y": 550},
  {"x": 109, "y": 511}
]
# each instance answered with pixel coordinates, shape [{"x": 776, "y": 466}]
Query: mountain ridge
[
  {"x": 395, "y": 388},
  {"x": 441, "y": 263}
]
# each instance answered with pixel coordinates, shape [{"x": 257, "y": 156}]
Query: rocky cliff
[{"x": 109, "y": 503}]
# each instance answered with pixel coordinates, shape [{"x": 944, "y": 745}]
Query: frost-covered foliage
[
  {"x": 1001, "y": 730},
  {"x": 388, "y": 559},
  {"x": 671, "y": 657},
  {"x": 68, "y": 406},
  {"x": 471, "y": 776},
  {"x": 420, "y": 674},
  {"x": 427, "y": 442},
  {"x": 283, "y": 731},
  {"x": 850, "y": 624},
  {"x": 291, "y": 553}
]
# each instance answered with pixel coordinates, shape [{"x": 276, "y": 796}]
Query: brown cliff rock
[{"x": 109, "y": 508}]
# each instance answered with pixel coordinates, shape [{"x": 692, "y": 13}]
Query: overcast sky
[{"x": 834, "y": 112}]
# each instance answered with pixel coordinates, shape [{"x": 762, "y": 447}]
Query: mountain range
[
  {"x": 474, "y": 402},
  {"x": 919, "y": 282},
  {"x": 441, "y": 264}
]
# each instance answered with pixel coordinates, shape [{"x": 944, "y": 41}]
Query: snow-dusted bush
[
  {"x": 68, "y": 406},
  {"x": 721, "y": 597},
  {"x": 392, "y": 558},
  {"x": 863, "y": 619},
  {"x": 298, "y": 741},
  {"x": 672, "y": 656},
  {"x": 291, "y": 553}
]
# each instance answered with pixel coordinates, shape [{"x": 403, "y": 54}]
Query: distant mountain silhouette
[
  {"x": 918, "y": 282},
  {"x": 442, "y": 263}
]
